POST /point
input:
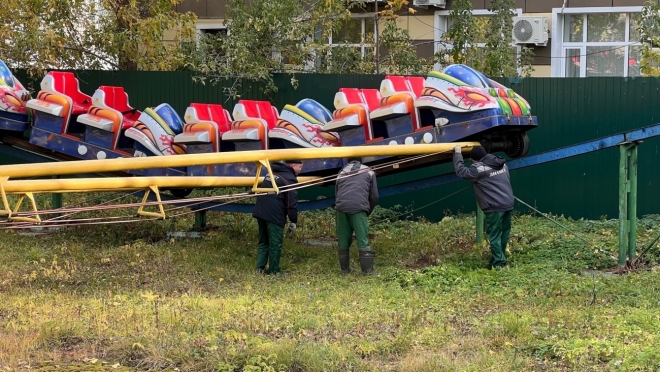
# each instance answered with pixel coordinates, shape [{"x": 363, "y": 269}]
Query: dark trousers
[
  {"x": 346, "y": 224},
  {"x": 270, "y": 246},
  {"x": 498, "y": 228}
]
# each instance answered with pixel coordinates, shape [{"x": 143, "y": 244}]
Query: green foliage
[
  {"x": 401, "y": 58},
  {"x": 649, "y": 29},
  {"x": 271, "y": 36},
  {"x": 497, "y": 57},
  {"x": 459, "y": 42},
  {"x": 500, "y": 59},
  {"x": 69, "y": 34},
  {"x": 132, "y": 299}
]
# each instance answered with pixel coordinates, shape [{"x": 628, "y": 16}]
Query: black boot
[
  {"x": 367, "y": 261},
  {"x": 344, "y": 261}
]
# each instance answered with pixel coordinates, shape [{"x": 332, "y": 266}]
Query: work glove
[
  {"x": 457, "y": 150},
  {"x": 291, "y": 229}
]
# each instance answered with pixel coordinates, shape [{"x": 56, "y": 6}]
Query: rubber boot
[
  {"x": 367, "y": 262},
  {"x": 344, "y": 261}
]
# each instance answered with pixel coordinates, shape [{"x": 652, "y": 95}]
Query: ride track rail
[
  {"x": 24, "y": 220},
  {"x": 227, "y": 203}
]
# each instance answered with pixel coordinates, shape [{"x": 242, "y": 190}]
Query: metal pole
[
  {"x": 377, "y": 41},
  {"x": 200, "y": 220},
  {"x": 56, "y": 201},
  {"x": 623, "y": 201},
  {"x": 480, "y": 225},
  {"x": 632, "y": 202}
]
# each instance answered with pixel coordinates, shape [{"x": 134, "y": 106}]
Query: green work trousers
[
  {"x": 270, "y": 246},
  {"x": 347, "y": 224},
  {"x": 498, "y": 228}
]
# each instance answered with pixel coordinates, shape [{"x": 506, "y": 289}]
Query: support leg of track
[
  {"x": 627, "y": 202},
  {"x": 56, "y": 201},
  {"x": 5, "y": 203},
  {"x": 480, "y": 225},
  {"x": 200, "y": 220}
]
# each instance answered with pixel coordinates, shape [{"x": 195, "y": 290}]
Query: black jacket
[
  {"x": 356, "y": 189},
  {"x": 490, "y": 179},
  {"x": 276, "y": 208}
]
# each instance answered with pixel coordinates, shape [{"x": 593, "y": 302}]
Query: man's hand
[
  {"x": 457, "y": 149},
  {"x": 291, "y": 229}
]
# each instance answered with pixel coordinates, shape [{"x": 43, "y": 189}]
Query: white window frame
[
  {"x": 441, "y": 20},
  {"x": 363, "y": 47},
  {"x": 559, "y": 46},
  {"x": 200, "y": 28}
]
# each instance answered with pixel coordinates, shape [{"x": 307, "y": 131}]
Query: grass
[{"x": 126, "y": 297}]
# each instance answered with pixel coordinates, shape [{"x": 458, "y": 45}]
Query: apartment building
[{"x": 584, "y": 37}]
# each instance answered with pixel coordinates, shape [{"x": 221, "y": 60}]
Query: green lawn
[{"x": 126, "y": 297}]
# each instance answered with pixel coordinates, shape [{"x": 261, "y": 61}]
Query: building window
[
  {"x": 481, "y": 20},
  {"x": 357, "y": 32},
  {"x": 591, "y": 42}
]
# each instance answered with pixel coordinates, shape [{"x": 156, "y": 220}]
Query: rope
[
  {"x": 422, "y": 207},
  {"x": 553, "y": 221}
]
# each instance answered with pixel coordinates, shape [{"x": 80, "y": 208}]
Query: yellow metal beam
[
  {"x": 112, "y": 184},
  {"x": 125, "y": 164}
]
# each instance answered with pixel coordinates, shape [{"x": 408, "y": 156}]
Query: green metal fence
[{"x": 570, "y": 110}]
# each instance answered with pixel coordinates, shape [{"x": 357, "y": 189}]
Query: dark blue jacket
[
  {"x": 490, "y": 179},
  {"x": 275, "y": 208}
]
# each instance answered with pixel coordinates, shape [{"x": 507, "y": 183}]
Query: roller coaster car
[
  {"x": 458, "y": 104},
  {"x": 205, "y": 125},
  {"x": 104, "y": 126},
  {"x": 13, "y": 110},
  {"x": 465, "y": 105},
  {"x": 108, "y": 118},
  {"x": 58, "y": 104},
  {"x": 252, "y": 122}
]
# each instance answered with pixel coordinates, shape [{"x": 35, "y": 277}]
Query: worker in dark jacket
[
  {"x": 271, "y": 212},
  {"x": 490, "y": 178},
  {"x": 356, "y": 196}
]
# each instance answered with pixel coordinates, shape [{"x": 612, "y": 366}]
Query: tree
[
  {"x": 459, "y": 42},
  {"x": 649, "y": 29},
  {"x": 401, "y": 57},
  {"x": 93, "y": 34},
  {"x": 268, "y": 36}
]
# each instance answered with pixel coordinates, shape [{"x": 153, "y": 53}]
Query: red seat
[
  {"x": 116, "y": 98},
  {"x": 398, "y": 83},
  {"x": 220, "y": 116},
  {"x": 67, "y": 84},
  {"x": 416, "y": 84},
  {"x": 202, "y": 110},
  {"x": 251, "y": 109},
  {"x": 372, "y": 98},
  {"x": 352, "y": 95},
  {"x": 268, "y": 113}
]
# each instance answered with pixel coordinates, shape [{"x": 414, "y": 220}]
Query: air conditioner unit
[
  {"x": 530, "y": 30},
  {"x": 427, "y": 3}
]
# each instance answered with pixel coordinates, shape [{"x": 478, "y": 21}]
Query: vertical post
[
  {"x": 480, "y": 225},
  {"x": 56, "y": 201},
  {"x": 623, "y": 203},
  {"x": 200, "y": 220},
  {"x": 632, "y": 202}
]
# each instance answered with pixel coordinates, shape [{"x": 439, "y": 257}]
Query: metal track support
[
  {"x": 480, "y": 225},
  {"x": 35, "y": 219},
  {"x": 142, "y": 212},
  {"x": 627, "y": 202},
  {"x": 200, "y": 220},
  {"x": 5, "y": 203},
  {"x": 56, "y": 201},
  {"x": 255, "y": 187}
]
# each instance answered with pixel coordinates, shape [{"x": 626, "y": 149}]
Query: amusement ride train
[{"x": 457, "y": 104}]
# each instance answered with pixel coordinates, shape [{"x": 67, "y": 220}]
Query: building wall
[{"x": 422, "y": 25}]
